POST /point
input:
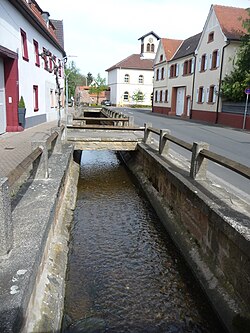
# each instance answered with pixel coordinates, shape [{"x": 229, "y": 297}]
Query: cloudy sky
[{"x": 101, "y": 33}]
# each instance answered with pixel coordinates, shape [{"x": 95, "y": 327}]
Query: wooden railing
[{"x": 200, "y": 154}]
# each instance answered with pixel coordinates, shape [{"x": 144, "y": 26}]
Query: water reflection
[{"x": 124, "y": 272}]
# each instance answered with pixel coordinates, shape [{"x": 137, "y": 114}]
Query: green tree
[
  {"x": 75, "y": 78},
  {"x": 234, "y": 84},
  {"x": 98, "y": 85},
  {"x": 138, "y": 96}
]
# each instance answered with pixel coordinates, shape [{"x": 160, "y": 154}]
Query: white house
[
  {"x": 134, "y": 75},
  {"x": 26, "y": 32}
]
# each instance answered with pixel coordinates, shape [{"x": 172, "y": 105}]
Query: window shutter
[
  {"x": 210, "y": 60},
  {"x": 199, "y": 64},
  {"x": 182, "y": 66},
  {"x": 207, "y": 99},
  {"x": 205, "y": 63},
  {"x": 177, "y": 69},
  {"x": 214, "y": 95},
  {"x": 197, "y": 95},
  {"x": 218, "y": 59},
  {"x": 169, "y": 72},
  {"x": 203, "y": 95},
  {"x": 192, "y": 66}
]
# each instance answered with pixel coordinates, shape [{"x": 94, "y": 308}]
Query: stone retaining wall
[{"x": 211, "y": 228}]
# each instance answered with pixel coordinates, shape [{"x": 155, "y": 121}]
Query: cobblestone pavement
[{"x": 15, "y": 146}]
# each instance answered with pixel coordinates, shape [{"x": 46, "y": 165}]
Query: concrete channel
[{"x": 209, "y": 225}]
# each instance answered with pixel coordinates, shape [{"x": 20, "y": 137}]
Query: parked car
[{"x": 106, "y": 102}]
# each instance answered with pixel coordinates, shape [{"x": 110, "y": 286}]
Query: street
[{"x": 231, "y": 143}]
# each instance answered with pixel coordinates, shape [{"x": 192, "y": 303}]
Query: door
[
  {"x": 180, "y": 101},
  {"x": 2, "y": 99}
]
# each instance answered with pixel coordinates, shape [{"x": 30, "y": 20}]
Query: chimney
[{"x": 45, "y": 16}]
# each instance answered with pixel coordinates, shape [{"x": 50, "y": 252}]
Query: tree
[
  {"x": 138, "y": 96},
  {"x": 98, "y": 85},
  {"x": 75, "y": 78},
  {"x": 234, "y": 84}
]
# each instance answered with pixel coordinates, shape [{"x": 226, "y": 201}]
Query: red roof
[
  {"x": 230, "y": 19},
  {"x": 170, "y": 46},
  {"x": 134, "y": 62}
]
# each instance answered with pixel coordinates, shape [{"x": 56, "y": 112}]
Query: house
[
  {"x": 187, "y": 83},
  {"x": 84, "y": 97},
  {"x": 134, "y": 75},
  {"x": 31, "y": 55},
  {"x": 162, "y": 98},
  {"x": 215, "y": 52}
]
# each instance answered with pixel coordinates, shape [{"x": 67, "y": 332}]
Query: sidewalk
[{"x": 15, "y": 146}]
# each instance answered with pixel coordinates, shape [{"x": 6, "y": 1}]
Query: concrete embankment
[
  {"x": 32, "y": 274},
  {"x": 209, "y": 225}
]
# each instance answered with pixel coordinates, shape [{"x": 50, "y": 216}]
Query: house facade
[
  {"x": 131, "y": 80},
  {"x": 195, "y": 71},
  {"x": 30, "y": 58}
]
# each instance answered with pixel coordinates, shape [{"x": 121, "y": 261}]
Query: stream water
[{"x": 125, "y": 274}]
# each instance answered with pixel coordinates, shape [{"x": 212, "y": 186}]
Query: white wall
[{"x": 29, "y": 74}]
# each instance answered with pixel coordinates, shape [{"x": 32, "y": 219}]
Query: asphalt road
[{"x": 232, "y": 143}]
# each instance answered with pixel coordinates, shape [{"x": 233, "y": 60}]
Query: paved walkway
[{"x": 15, "y": 146}]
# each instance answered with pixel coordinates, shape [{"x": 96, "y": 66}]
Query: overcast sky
[{"x": 103, "y": 32}]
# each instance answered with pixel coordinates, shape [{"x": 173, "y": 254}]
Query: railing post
[
  {"x": 41, "y": 164},
  {"x": 198, "y": 168},
  {"x": 6, "y": 227},
  {"x": 164, "y": 142},
  {"x": 131, "y": 121},
  {"x": 147, "y": 133},
  {"x": 57, "y": 145}
]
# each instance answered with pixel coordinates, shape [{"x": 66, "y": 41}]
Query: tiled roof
[
  {"x": 230, "y": 20},
  {"x": 170, "y": 46},
  {"x": 134, "y": 62},
  {"x": 58, "y": 24},
  {"x": 187, "y": 47}
]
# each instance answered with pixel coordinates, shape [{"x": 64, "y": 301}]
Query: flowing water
[{"x": 124, "y": 273}]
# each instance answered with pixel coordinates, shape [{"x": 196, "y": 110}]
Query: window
[
  {"x": 148, "y": 47},
  {"x": 161, "y": 57},
  {"x": 211, "y": 94},
  {"x": 188, "y": 67},
  {"x": 140, "y": 80},
  {"x": 156, "y": 96},
  {"x": 152, "y": 48},
  {"x": 210, "y": 37},
  {"x": 162, "y": 73},
  {"x": 36, "y": 53},
  {"x": 174, "y": 70},
  {"x": 200, "y": 95},
  {"x": 140, "y": 96},
  {"x": 45, "y": 60},
  {"x": 215, "y": 59},
  {"x": 126, "y": 78},
  {"x": 35, "y": 98},
  {"x": 160, "y": 95},
  {"x": 166, "y": 96},
  {"x": 125, "y": 96},
  {"x": 203, "y": 63},
  {"x": 24, "y": 45},
  {"x": 157, "y": 74}
]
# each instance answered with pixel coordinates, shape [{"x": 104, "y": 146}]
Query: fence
[{"x": 200, "y": 154}]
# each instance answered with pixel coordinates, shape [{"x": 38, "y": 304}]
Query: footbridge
[{"x": 101, "y": 129}]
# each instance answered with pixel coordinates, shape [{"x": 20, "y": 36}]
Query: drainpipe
[
  {"x": 192, "y": 97},
  {"x": 221, "y": 68}
]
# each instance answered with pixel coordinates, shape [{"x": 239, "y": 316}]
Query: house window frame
[
  {"x": 25, "y": 53},
  {"x": 210, "y": 38},
  {"x": 126, "y": 96},
  {"x": 35, "y": 98},
  {"x": 162, "y": 73},
  {"x": 161, "y": 57},
  {"x": 157, "y": 74},
  {"x": 36, "y": 52},
  {"x": 126, "y": 78},
  {"x": 160, "y": 96},
  {"x": 166, "y": 96},
  {"x": 141, "y": 79},
  {"x": 211, "y": 94},
  {"x": 156, "y": 96},
  {"x": 214, "y": 59},
  {"x": 203, "y": 63},
  {"x": 200, "y": 96}
]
